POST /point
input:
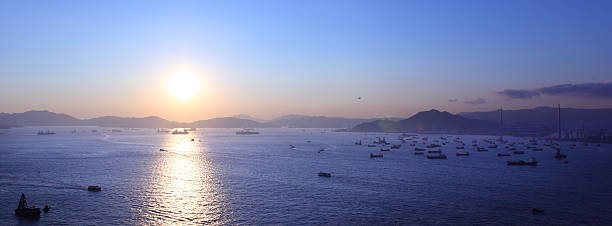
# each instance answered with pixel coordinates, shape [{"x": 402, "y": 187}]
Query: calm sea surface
[{"x": 224, "y": 178}]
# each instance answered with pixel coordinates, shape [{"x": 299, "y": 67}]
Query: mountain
[
  {"x": 228, "y": 122},
  {"x": 248, "y": 117},
  {"x": 303, "y": 121},
  {"x": 427, "y": 121},
  {"x": 572, "y": 118},
  {"x": 36, "y": 118},
  {"x": 147, "y": 122}
]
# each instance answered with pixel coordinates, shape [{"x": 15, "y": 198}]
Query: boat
[
  {"x": 560, "y": 156},
  {"x": 440, "y": 156},
  {"x": 531, "y": 162},
  {"x": 322, "y": 174},
  {"x": 291, "y": 146},
  {"x": 538, "y": 149},
  {"x": 26, "y": 212},
  {"x": 358, "y": 142},
  {"x": 419, "y": 149},
  {"x": 481, "y": 149},
  {"x": 94, "y": 188},
  {"x": 191, "y": 129},
  {"x": 493, "y": 146},
  {"x": 397, "y": 146},
  {"x": 432, "y": 152},
  {"x": 463, "y": 154},
  {"x": 247, "y": 132},
  {"x": 179, "y": 132},
  {"x": 116, "y": 131},
  {"x": 163, "y": 130},
  {"x": 375, "y": 155},
  {"x": 460, "y": 147},
  {"x": 536, "y": 211},
  {"x": 47, "y": 208},
  {"x": 382, "y": 149},
  {"x": 433, "y": 146},
  {"x": 48, "y": 132},
  {"x": 419, "y": 153},
  {"x": 371, "y": 145},
  {"x": 161, "y": 149},
  {"x": 503, "y": 154},
  {"x": 519, "y": 152}
]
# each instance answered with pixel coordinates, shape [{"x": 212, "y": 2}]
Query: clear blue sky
[{"x": 269, "y": 58}]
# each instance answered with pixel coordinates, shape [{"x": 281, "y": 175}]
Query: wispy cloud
[
  {"x": 518, "y": 93},
  {"x": 475, "y": 101},
  {"x": 478, "y": 100},
  {"x": 596, "y": 90}
]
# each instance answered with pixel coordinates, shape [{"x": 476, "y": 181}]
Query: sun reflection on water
[{"x": 184, "y": 188}]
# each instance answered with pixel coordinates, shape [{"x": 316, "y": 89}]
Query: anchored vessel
[
  {"x": 247, "y": 132},
  {"x": 26, "y": 212}
]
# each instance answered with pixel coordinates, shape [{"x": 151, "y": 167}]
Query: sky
[{"x": 271, "y": 58}]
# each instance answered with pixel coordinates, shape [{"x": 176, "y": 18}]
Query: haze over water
[{"x": 224, "y": 178}]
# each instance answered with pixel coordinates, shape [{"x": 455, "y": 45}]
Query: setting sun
[{"x": 183, "y": 85}]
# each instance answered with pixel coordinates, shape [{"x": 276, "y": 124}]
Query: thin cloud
[
  {"x": 518, "y": 93},
  {"x": 595, "y": 90},
  {"x": 478, "y": 100},
  {"x": 475, "y": 101}
]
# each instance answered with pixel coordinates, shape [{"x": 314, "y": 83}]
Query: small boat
[
  {"x": 536, "y": 211},
  {"x": 463, "y": 154},
  {"x": 161, "y": 149},
  {"x": 371, "y": 145},
  {"x": 512, "y": 149},
  {"x": 247, "y": 132},
  {"x": 375, "y": 155},
  {"x": 519, "y": 152},
  {"x": 179, "y": 132},
  {"x": 397, "y": 146},
  {"x": 192, "y": 139},
  {"x": 538, "y": 149},
  {"x": 382, "y": 149},
  {"x": 433, "y": 146},
  {"x": 503, "y": 154},
  {"x": 419, "y": 149},
  {"x": 47, "y": 208},
  {"x": 321, "y": 150},
  {"x": 433, "y": 152},
  {"x": 48, "y": 132},
  {"x": 481, "y": 149},
  {"x": 291, "y": 146},
  {"x": 531, "y": 162},
  {"x": 94, "y": 130},
  {"x": 460, "y": 147},
  {"x": 440, "y": 156},
  {"x": 419, "y": 153},
  {"x": 358, "y": 142},
  {"x": 116, "y": 131},
  {"x": 493, "y": 146},
  {"x": 26, "y": 212},
  {"x": 560, "y": 156},
  {"x": 322, "y": 174},
  {"x": 94, "y": 188}
]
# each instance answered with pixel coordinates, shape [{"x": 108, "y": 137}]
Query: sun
[{"x": 183, "y": 85}]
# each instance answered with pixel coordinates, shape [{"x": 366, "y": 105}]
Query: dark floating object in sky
[
  {"x": 322, "y": 174},
  {"x": 94, "y": 188},
  {"x": 26, "y": 212}
]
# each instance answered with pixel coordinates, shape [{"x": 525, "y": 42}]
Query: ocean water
[{"x": 224, "y": 178}]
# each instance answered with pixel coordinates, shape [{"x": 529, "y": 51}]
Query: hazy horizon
[{"x": 191, "y": 60}]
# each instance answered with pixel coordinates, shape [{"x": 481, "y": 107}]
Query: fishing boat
[
  {"x": 322, "y": 174},
  {"x": 26, "y": 212},
  {"x": 179, "y": 132},
  {"x": 375, "y": 155},
  {"x": 247, "y": 132},
  {"x": 48, "y": 132},
  {"x": 94, "y": 188},
  {"x": 439, "y": 156}
]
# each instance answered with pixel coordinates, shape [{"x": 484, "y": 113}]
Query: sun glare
[{"x": 183, "y": 85}]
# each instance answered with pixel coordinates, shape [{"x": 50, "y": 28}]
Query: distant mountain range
[
  {"x": 571, "y": 118},
  {"x": 537, "y": 120},
  {"x": 426, "y": 121},
  {"x": 47, "y": 118}
]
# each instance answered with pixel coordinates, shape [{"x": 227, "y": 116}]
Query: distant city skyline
[{"x": 359, "y": 59}]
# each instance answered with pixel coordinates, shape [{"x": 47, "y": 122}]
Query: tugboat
[{"x": 26, "y": 212}]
